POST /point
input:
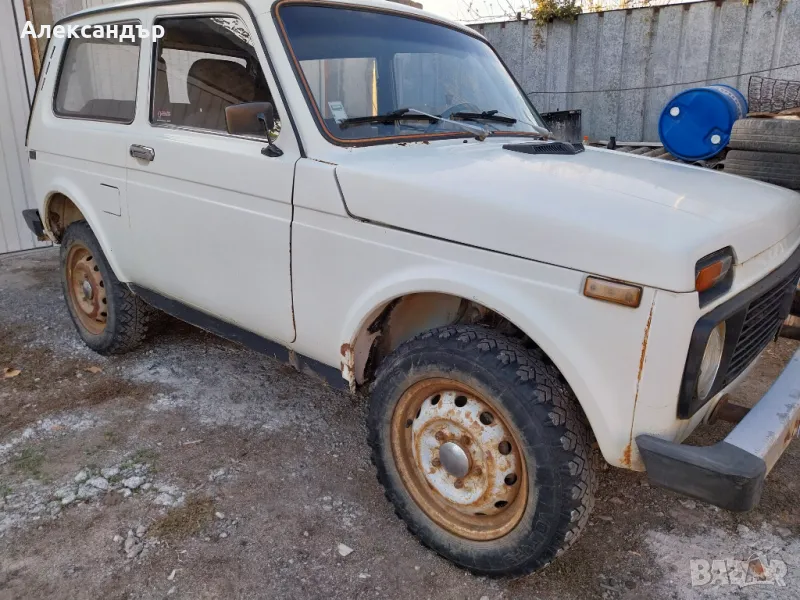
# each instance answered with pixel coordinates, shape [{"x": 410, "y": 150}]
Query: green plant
[
  {"x": 29, "y": 462},
  {"x": 546, "y": 11},
  {"x": 146, "y": 456}
]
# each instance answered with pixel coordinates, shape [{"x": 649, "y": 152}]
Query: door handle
[{"x": 143, "y": 152}]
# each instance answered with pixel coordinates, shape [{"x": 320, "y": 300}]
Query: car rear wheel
[
  {"x": 108, "y": 316},
  {"x": 481, "y": 447}
]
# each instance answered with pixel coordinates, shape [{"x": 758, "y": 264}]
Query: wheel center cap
[
  {"x": 454, "y": 459},
  {"x": 87, "y": 290}
]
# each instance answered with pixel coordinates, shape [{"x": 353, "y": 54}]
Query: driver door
[{"x": 209, "y": 213}]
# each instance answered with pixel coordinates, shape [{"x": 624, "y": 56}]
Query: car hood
[{"x": 626, "y": 217}]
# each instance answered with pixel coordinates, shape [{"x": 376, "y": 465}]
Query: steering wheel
[{"x": 461, "y": 107}]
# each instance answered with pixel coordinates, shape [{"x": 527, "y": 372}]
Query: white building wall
[
  {"x": 16, "y": 89},
  {"x": 17, "y": 85}
]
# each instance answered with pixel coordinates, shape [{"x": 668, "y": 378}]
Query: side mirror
[
  {"x": 251, "y": 118},
  {"x": 267, "y": 117}
]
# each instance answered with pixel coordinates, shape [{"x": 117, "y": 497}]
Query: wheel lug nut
[
  {"x": 478, "y": 471},
  {"x": 436, "y": 462},
  {"x": 440, "y": 435},
  {"x": 466, "y": 440},
  {"x": 459, "y": 484}
]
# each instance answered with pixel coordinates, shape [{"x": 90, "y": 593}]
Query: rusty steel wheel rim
[
  {"x": 459, "y": 459},
  {"x": 86, "y": 289}
]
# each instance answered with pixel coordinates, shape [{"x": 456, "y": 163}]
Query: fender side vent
[{"x": 546, "y": 148}]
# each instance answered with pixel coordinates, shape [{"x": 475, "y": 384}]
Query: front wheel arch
[{"x": 403, "y": 317}]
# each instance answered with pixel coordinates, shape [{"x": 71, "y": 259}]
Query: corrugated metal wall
[
  {"x": 15, "y": 91},
  {"x": 620, "y": 67}
]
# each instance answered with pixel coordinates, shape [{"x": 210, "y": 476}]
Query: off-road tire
[
  {"x": 537, "y": 404},
  {"x": 771, "y": 167},
  {"x": 129, "y": 317},
  {"x": 766, "y": 135}
]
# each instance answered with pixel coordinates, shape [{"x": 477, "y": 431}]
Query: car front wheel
[{"x": 481, "y": 447}]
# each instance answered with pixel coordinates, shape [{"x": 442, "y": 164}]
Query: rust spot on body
[
  {"x": 626, "y": 459},
  {"x": 791, "y": 433},
  {"x": 348, "y": 365},
  {"x": 626, "y": 455},
  {"x": 644, "y": 347}
]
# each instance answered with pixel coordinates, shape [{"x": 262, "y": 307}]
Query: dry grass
[
  {"x": 63, "y": 384},
  {"x": 186, "y": 520}
]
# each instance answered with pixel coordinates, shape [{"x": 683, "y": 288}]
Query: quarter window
[
  {"x": 202, "y": 66},
  {"x": 98, "y": 79}
]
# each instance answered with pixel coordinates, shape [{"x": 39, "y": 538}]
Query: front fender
[{"x": 596, "y": 346}]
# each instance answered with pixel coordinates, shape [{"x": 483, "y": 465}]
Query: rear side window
[
  {"x": 202, "y": 66},
  {"x": 98, "y": 79}
]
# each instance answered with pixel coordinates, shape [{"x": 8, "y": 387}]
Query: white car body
[{"x": 308, "y": 249}]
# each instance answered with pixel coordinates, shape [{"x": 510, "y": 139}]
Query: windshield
[{"x": 358, "y": 64}]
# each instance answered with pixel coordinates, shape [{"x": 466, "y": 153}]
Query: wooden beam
[{"x": 34, "y": 42}]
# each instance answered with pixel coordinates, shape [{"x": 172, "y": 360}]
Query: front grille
[
  {"x": 762, "y": 320},
  {"x": 753, "y": 318}
]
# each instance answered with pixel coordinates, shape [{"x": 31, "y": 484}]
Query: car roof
[{"x": 261, "y": 6}]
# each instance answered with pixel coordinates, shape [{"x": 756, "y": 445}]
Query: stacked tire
[{"x": 767, "y": 150}]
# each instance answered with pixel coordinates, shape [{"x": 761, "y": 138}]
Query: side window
[
  {"x": 98, "y": 79},
  {"x": 202, "y": 66}
]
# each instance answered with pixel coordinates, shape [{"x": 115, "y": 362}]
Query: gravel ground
[{"x": 193, "y": 468}]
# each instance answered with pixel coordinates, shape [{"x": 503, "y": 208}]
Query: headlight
[{"x": 712, "y": 356}]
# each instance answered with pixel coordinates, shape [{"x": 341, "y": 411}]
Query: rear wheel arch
[
  {"x": 59, "y": 212},
  {"x": 64, "y": 206}
]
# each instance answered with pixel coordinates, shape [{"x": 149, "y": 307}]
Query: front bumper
[{"x": 731, "y": 473}]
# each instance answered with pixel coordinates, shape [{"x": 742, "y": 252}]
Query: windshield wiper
[
  {"x": 492, "y": 115},
  {"x": 487, "y": 115},
  {"x": 412, "y": 113},
  {"x": 390, "y": 117}
]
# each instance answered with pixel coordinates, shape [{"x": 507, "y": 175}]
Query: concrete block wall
[{"x": 621, "y": 67}]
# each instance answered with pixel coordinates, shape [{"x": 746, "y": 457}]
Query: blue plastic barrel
[{"x": 697, "y": 123}]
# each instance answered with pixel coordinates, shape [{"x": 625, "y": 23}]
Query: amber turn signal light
[
  {"x": 613, "y": 291},
  {"x": 711, "y": 274}
]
